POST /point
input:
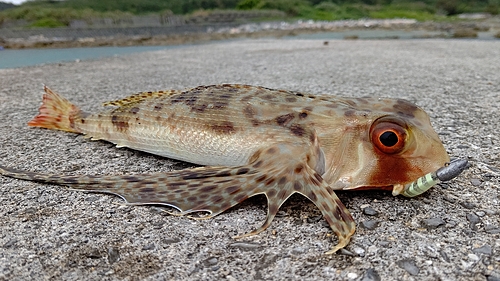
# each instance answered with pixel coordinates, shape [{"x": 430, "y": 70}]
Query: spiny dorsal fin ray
[{"x": 140, "y": 97}]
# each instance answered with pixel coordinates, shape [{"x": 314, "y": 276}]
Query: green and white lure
[{"x": 424, "y": 183}]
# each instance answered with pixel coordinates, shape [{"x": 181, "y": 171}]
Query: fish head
[{"x": 391, "y": 144}]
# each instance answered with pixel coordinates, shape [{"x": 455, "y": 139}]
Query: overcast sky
[{"x": 13, "y": 1}]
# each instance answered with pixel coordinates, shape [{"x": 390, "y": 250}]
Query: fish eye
[{"x": 389, "y": 137}]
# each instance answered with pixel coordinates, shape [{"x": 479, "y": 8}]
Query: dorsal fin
[{"x": 139, "y": 97}]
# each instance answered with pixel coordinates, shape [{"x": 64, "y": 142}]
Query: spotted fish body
[{"x": 254, "y": 140}]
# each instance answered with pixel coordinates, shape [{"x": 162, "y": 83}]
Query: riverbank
[{"x": 176, "y": 35}]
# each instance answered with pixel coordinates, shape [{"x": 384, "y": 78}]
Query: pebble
[
  {"x": 467, "y": 205},
  {"x": 371, "y": 275},
  {"x": 480, "y": 213},
  {"x": 433, "y": 223},
  {"x": 370, "y": 224},
  {"x": 298, "y": 250},
  {"x": 245, "y": 246},
  {"x": 345, "y": 252},
  {"x": 409, "y": 265},
  {"x": 170, "y": 240},
  {"x": 472, "y": 218},
  {"x": 210, "y": 261},
  {"x": 476, "y": 182},
  {"x": 10, "y": 243},
  {"x": 113, "y": 255},
  {"x": 490, "y": 212},
  {"x": 444, "y": 255},
  {"x": 492, "y": 278},
  {"x": 149, "y": 247},
  {"x": 491, "y": 229},
  {"x": 473, "y": 257},
  {"x": 352, "y": 275},
  {"x": 486, "y": 249},
  {"x": 314, "y": 219},
  {"x": 359, "y": 251},
  {"x": 384, "y": 243},
  {"x": 369, "y": 211}
]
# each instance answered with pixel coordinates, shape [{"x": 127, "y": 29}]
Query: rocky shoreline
[{"x": 150, "y": 36}]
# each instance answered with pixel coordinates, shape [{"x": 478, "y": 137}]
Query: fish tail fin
[{"x": 56, "y": 113}]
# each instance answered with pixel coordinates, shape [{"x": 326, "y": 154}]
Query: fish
[{"x": 252, "y": 140}]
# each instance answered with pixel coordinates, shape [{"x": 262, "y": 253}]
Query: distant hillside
[
  {"x": 5, "y": 6},
  {"x": 58, "y": 13}
]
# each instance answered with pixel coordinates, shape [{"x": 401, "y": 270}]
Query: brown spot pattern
[
  {"x": 120, "y": 122},
  {"x": 297, "y": 130},
  {"x": 283, "y": 120},
  {"x": 225, "y": 127}
]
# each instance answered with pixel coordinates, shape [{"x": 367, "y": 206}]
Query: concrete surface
[{"x": 450, "y": 233}]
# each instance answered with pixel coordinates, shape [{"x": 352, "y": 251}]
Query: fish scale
[{"x": 255, "y": 140}]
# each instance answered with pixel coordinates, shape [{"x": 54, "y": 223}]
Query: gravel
[{"x": 50, "y": 232}]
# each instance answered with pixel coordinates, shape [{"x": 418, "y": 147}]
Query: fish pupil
[{"x": 388, "y": 138}]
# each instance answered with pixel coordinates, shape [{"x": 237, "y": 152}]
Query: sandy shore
[{"x": 451, "y": 232}]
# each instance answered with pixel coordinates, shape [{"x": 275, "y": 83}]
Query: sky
[{"x": 13, "y": 1}]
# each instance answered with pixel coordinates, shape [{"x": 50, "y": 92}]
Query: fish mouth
[{"x": 448, "y": 172}]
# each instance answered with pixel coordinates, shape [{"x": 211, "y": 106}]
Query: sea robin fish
[{"x": 256, "y": 140}]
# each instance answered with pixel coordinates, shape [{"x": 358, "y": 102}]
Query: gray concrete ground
[{"x": 449, "y": 233}]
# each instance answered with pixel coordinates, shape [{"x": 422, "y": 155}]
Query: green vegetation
[{"x": 47, "y": 13}]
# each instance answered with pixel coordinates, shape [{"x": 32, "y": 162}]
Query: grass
[{"x": 43, "y": 14}]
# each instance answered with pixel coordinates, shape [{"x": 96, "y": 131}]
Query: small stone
[
  {"x": 467, "y": 205},
  {"x": 369, "y": 211},
  {"x": 210, "y": 261},
  {"x": 170, "y": 240},
  {"x": 433, "y": 223},
  {"x": 359, "y": 251},
  {"x": 384, "y": 243},
  {"x": 92, "y": 199},
  {"x": 486, "y": 249},
  {"x": 371, "y": 275},
  {"x": 369, "y": 224},
  {"x": 490, "y": 212},
  {"x": 281, "y": 214},
  {"x": 346, "y": 252},
  {"x": 476, "y": 182},
  {"x": 473, "y": 218},
  {"x": 491, "y": 229},
  {"x": 409, "y": 265},
  {"x": 149, "y": 247},
  {"x": 10, "y": 243},
  {"x": 352, "y": 275},
  {"x": 113, "y": 255},
  {"x": 245, "y": 246},
  {"x": 314, "y": 219},
  {"x": 450, "y": 199},
  {"x": 444, "y": 255},
  {"x": 480, "y": 213},
  {"x": 473, "y": 257},
  {"x": 492, "y": 278},
  {"x": 298, "y": 251},
  {"x": 94, "y": 254},
  {"x": 30, "y": 210}
]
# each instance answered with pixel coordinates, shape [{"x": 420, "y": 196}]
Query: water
[{"x": 29, "y": 57}]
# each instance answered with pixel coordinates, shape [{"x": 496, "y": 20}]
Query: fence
[{"x": 152, "y": 25}]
